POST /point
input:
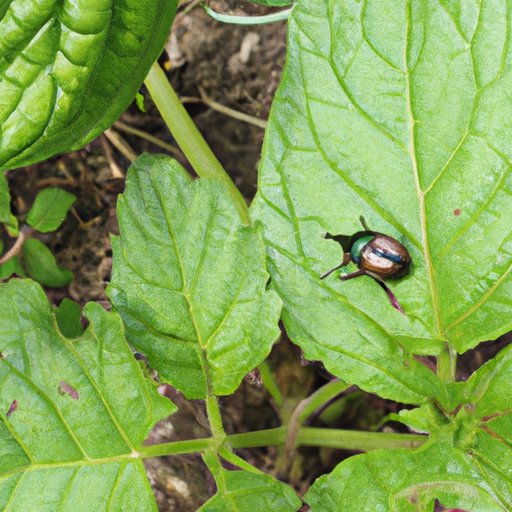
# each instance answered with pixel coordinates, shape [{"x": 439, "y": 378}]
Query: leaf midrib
[
  {"x": 29, "y": 468},
  {"x": 421, "y": 197}
]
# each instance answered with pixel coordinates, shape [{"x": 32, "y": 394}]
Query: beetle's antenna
[
  {"x": 329, "y": 272},
  {"x": 363, "y": 222}
]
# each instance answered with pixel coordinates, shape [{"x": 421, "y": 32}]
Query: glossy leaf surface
[
  {"x": 467, "y": 464},
  {"x": 50, "y": 208},
  {"x": 398, "y": 111},
  {"x": 73, "y": 413},
  {"x": 189, "y": 280},
  {"x": 69, "y": 68},
  {"x": 251, "y": 491}
]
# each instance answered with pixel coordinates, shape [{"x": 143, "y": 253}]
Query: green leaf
[
  {"x": 189, "y": 280},
  {"x": 398, "y": 111},
  {"x": 41, "y": 265},
  {"x": 466, "y": 464},
  {"x": 67, "y": 71},
  {"x": 6, "y": 217},
  {"x": 403, "y": 481},
  {"x": 73, "y": 413},
  {"x": 487, "y": 416},
  {"x": 139, "y": 100},
  {"x": 252, "y": 491},
  {"x": 50, "y": 209},
  {"x": 12, "y": 267},
  {"x": 69, "y": 318}
]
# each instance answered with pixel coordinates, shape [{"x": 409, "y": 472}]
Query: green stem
[
  {"x": 248, "y": 20},
  {"x": 307, "y": 436},
  {"x": 176, "y": 448},
  {"x": 318, "y": 399},
  {"x": 304, "y": 409},
  {"x": 215, "y": 419},
  {"x": 212, "y": 461},
  {"x": 270, "y": 383},
  {"x": 357, "y": 440},
  {"x": 188, "y": 137}
]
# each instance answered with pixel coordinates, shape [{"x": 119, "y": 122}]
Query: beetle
[{"x": 376, "y": 255}]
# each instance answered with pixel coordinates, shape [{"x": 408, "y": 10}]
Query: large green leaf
[
  {"x": 467, "y": 464},
  {"x": 401, "y": 481},
  {"x": 399, "y": 111},
  {"x": 73, "y": 413},
  {"x": 68, "y": 69},
  {"x": 189, "y": 279}
]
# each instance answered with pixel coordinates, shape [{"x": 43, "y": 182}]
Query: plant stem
[
  {"x": 270, "y": 383},
  {"x": 215, "y": 419},
  {"x": 308, "y": 406},
  {"x": 307, "y": 436},
  {"x": 357, "y": 440},
  {"x": 188, "y": 137},
  {"x": 25, "y": 232},
  {"x": 175, "y": 448},
  {"x": 248, "y": 20}
]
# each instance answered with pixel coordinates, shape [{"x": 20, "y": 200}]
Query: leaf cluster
[{"x": 395, "y": 110}]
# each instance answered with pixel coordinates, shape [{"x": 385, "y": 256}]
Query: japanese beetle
[{"x": 377, "y": 255}]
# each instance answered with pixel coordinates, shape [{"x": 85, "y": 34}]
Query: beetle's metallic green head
[{"x": 358, "y": 246}]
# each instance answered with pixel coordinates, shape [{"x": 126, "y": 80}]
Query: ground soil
[{"x": 238, "y": 67}]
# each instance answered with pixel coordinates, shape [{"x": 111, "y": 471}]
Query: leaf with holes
[
  {"x": 189, "y": 280},
  {"x": 398, "y": 111},
  {"x": 68, "y": 70},
  {"x": 73, "y": 413},
  {"x": 465, "y": 466}
]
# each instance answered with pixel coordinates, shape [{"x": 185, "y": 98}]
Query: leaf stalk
[
  {"x": 188, "y": 137},
  {"x": 306, "y": 436}
]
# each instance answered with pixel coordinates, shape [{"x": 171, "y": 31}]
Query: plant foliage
[
  {"x": 394, "y": 105},
  {"x": 73, "y": 412},
  {"x": 68, "y": 70},
  {"x": 193, "y": 299}
]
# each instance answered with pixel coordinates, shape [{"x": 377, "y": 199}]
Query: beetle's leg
[
  {"x": 345, "y": 262},
  {"x": 391, "y": 296},
  {"x": 357, "y": 273},
  {"x": 363, "y": 222}
]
